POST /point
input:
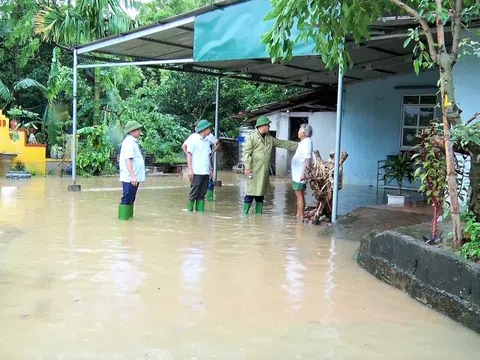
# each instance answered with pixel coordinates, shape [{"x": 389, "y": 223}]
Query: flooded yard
[{"x": 76, "y": 283}]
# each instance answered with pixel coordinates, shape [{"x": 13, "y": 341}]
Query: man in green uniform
[{"x": 257, "y": 154}]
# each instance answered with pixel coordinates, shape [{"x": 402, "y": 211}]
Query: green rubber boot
[
  {"x": 200, "y": 205},
  {"x": 258, "y": 208},
  {"x": 123, "y": 212},
  {"x": 246, "y": 208},
  {"x": 131, "y": 210},
  {"x": 209, "y": 195},
  {"x": 191, "y": 205}
]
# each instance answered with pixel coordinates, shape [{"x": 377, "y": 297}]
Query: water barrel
[{"x": 243, "y": 133}]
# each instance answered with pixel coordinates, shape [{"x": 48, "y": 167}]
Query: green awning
[{"x": 235, "y": 32}]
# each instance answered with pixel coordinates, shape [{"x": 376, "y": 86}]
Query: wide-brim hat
[
  {"x": 262, "y": 121},
  {"x": 132, "y": 125},
  {"x": 202, "y": 125}
]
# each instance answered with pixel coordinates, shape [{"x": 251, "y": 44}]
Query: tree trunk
[
  {"x": 435, "y": 219},
  {"x": 450, "y": 116},
  {"x": 96, "y": 106}
]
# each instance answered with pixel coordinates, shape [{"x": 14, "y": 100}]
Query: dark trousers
[
  {"x": 250, "y": 198},
  {"x": 129, "y": 193},
  {"x": 198, "y": 187}
]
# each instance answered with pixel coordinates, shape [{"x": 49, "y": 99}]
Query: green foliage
[
  {"x": 327, "y": 23},
  {"x": 431, "y": 166},
  {"x": 5, "y": 93},
  {"x": 469, "y": 47},
  {"x": 18, "y": 166},
  {"x": 16, "y": 26},
  {"x": 83, "y": 22},
  {"x": 471, "y": 233},
  {"x": 465, "y": 136},
  {"x": 157, "y": 10},
  {"x": 163, "y": 134},
  {"x": 94, "y": 151},
  {"x": 431, "y": 171},
  {"x": 397, "y": 169},
  {"x": 191, "y": 97}
]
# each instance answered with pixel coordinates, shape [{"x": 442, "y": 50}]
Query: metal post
[
  {"x": 338, "y": 136},
  {"x": 74, "y": 186},
  {"x": 217, "y": 119}
]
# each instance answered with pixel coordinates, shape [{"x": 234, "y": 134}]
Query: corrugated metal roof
[
  {"x": 383, "y": 55},
  {"x": 309, "y": 101}
]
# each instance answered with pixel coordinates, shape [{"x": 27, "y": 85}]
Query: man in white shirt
[
  {"x": 300, "y": 162},
  {"x": 199, "y": 164},
  {"x": 215, "y": 145},
  {"x": 132, "y": 169}
]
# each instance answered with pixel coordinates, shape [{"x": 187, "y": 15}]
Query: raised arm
[{"x": 285, "y": 144}]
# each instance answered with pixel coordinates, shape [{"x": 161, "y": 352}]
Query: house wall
[
  {"x": 371, "y": 126},
  {"x": 323, "y": 125},
  {"x": 372, "y": 118},
  {"x": 466, "y": 77}
]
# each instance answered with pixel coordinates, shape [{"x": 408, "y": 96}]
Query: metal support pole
[
  {"x": 74, "y": 186},
  {"x": 217, "y": 120},
  {"x": 338, "y": 137}
]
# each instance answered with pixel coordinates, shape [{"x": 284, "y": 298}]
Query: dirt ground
[{"x": 363, "y": 220}]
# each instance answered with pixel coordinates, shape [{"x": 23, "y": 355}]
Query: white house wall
[
  {"x": 280, "y": 125},
  {"x": 323, "y": 125}
]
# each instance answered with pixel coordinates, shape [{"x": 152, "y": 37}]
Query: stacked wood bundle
[{"x": 320, "y": 178}]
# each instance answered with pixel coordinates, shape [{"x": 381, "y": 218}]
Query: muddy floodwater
[{"x": 75, "y": 283}]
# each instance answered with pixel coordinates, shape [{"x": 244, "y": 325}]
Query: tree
[
  {"x": 86, "y": 21},
  {"x": 16, "y": 28},
  {"x": 156, "y": 10},
  {"x": 330, "y": 24}
]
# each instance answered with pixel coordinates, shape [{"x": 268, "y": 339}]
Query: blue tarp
[{"x": 235, "y": 32}]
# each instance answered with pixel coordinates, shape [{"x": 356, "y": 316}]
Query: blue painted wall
[
  {"x": 372, "y": 115},
  {"x": 466, "y": 78},
  {"x": 372, "y": 122}
]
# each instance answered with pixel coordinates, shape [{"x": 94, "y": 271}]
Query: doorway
[{"x": 294, "y": 124}]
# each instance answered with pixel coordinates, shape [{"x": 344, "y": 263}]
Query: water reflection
[
  {"x": 190, "y": 276},
  {"x": 331, "y": 333},
  {"x": 294, "y": 277}
]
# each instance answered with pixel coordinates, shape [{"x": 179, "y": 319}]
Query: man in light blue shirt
[{"x": 132, "y": 169}]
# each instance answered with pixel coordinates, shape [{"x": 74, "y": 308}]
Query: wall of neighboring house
[
  {"x": 372, "y": 121},
  {"x": 323, "y": 138},
  {"x": 373, "y": 115},
  {"x": 466, "y": 77}
]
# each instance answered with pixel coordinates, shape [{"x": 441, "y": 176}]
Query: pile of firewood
[{"x": 320, "y": 179}]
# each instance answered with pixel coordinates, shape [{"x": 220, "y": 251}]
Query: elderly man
[
  {"x": 300, "y": 162},
  {"x": 132, "y": 169},
  {"x": 199, "y": 164},
  {"x": 257, "y": 154}
]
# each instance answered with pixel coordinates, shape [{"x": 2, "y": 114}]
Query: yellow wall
[{"x": 33, "y": 156}]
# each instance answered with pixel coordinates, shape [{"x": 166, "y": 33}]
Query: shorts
[{"x": 298, "y": 186}]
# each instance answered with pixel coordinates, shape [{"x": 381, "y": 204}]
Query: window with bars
[{"x": 417, "y": 113}]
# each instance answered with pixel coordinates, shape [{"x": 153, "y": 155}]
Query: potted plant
[{"x": 398, "y": 168}]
